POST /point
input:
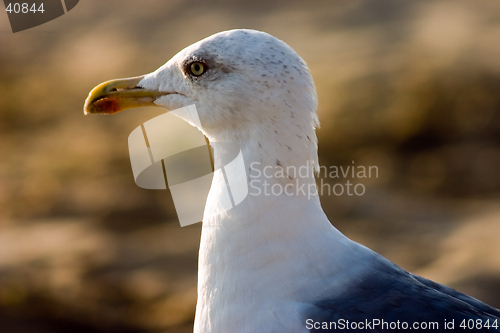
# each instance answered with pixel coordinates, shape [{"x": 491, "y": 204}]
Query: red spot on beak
[{"x": 107, "y": 105}]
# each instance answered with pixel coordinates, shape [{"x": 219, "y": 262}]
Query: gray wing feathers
[{"x": 392, "y": 294}]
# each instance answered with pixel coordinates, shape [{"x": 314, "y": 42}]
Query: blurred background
[{"x": 410, "y": 87}]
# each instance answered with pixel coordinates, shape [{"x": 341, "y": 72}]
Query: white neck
[{"x": 249, "y": 254}]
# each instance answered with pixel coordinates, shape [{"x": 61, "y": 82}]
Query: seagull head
[{"x": 238, "y": 80}]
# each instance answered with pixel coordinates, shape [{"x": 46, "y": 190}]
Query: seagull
[{"x": 274, "y": 262}]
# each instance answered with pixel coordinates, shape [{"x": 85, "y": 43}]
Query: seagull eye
[{"x": 197, "y": 68}]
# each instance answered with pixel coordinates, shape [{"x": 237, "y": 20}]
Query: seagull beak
[{"x": 117, "y": 95}]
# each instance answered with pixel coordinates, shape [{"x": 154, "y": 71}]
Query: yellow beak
[{"x": 117, "y": 95}]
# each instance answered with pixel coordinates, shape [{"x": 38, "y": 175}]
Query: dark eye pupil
[{"x": 197, "y": 68}]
